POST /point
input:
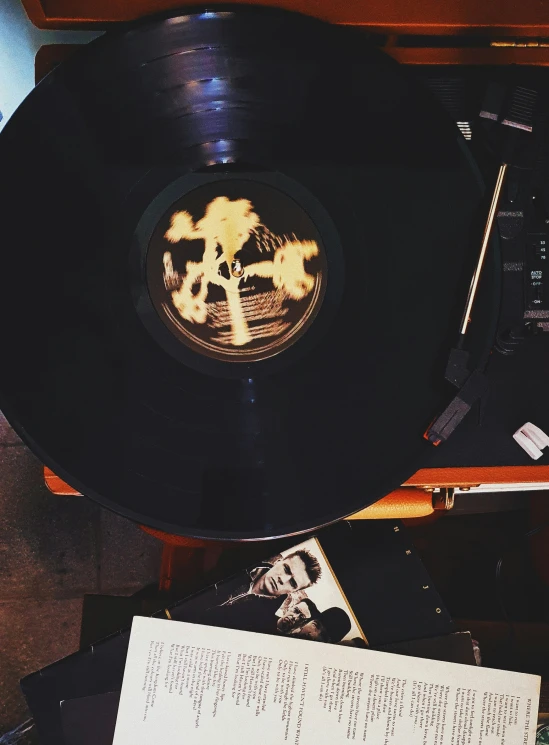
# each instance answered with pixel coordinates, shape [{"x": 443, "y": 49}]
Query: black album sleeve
[
  {"x": 378, "y": 571},
  {"x": 385, "y": 581}
]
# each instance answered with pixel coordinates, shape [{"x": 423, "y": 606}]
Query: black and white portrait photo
[{"x": 294, "y": 594}]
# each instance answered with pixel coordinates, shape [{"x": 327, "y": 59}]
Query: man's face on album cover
[
  {"x": 313, "y": 630},
  {"x": 296, "y": 616},
  {"x": 286, "y": 576}
]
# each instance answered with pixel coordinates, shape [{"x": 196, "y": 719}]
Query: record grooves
[{"x": 237, "y": 244}]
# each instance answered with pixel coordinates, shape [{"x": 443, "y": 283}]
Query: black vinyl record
[{"x": 235, "y": 247}]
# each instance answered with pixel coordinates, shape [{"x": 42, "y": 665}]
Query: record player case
[
  {"x": 507, "y": 18},
  {"x": 463, "y": 33}
]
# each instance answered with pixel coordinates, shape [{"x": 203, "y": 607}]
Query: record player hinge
[{"x": 443, "y": 499}]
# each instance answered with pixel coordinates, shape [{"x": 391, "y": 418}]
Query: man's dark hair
[
  {"x": 313, "y": 609},
  {"x": 312, "y": 567},
  {"x": 336, "y": 622}
]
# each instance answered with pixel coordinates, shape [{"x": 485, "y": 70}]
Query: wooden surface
[
  {"x": 409, "y": 502},
  {"x": 430, "y": 477},
  {"x": 459, "y": 477},
  {"x": 400, "y": 503},
  {"x": 58, "y": 486},
  {"x": 428, "y": 55},
  {"x": 503, "y": 18}
]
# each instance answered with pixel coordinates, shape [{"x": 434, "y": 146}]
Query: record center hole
[{"x": 237, "y": 270}]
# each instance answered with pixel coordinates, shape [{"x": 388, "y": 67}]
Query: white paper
[{"x": 198, "y": 685}]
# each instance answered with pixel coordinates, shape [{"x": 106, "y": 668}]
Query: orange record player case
[
  {"x": 508, "y": 32},
  {"x": 463, "y": 32}
]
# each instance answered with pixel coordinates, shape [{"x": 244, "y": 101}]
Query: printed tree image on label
[{"x": 227, "y": 282}]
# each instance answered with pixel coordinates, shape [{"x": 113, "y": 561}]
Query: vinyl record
[{"x": 235, "y": 248}]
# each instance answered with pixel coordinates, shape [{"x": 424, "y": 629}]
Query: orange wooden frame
[
  {"x": 414, "y": 498},
  {"x": 408, "y": 502},
  {"x": 528, "y": 18}
]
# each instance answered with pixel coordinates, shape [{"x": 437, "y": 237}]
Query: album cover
[
  {"x": 90, "y": 720},
  {"x": 457, "y": 647},
  {"x": 372, "y": 589},
  {"x": 294, "y": 593}
]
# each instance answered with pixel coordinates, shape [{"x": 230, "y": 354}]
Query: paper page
[{"x": 198, "y": 685}]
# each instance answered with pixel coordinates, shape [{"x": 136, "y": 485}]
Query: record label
[{"x": 237, "y": 270}]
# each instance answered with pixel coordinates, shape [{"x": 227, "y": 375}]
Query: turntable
[{"x": 303, "y": 396}]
